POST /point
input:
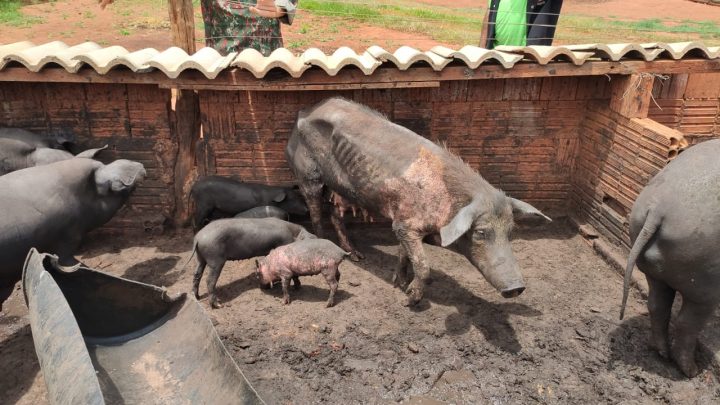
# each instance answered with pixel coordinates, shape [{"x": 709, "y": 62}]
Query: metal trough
[{"x": 103, "y": 339}]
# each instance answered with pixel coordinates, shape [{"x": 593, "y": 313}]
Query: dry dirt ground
[
  {"x": 559, "y": 342},
  {"x": 145, "y": 24}
]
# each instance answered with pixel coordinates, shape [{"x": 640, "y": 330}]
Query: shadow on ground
[{"x": 19, "y": 365}]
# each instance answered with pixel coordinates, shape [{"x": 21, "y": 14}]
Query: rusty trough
[{"x": 105, "y": 339}]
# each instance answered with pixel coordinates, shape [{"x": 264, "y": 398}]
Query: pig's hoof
[
  {"x": 397, "y": 281},
  {"x": 286, "y": 301},
  {"x": 661, "y": 348},
  {"x": 414, "y": 297},
  {"x": 686, "y": 364},
  {"x": 216, "y": 305},
  {"x": 356, "y": 256},
  {"x": 329, "y": 304}
]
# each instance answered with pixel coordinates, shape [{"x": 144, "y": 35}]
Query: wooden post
[
  {"x": 186, "y": 114},
  {"x": 182, "y": 24},
  {"x": 631, "y": 95}
]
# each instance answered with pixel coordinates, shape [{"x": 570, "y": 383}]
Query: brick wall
[
  {"x": 520, "y": 133},
  {"x": 690, "y": 104},
  {"x": 617, "y": 157},
  {"x": 556, "y": 142},
  {"x": 131, "y": 119}
]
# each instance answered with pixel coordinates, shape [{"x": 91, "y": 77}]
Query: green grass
[
  {"x": 297, "y": 44},
  {"x": 464, "y": 26},
  {"x": 440, "y": 23},
  {"x": 10, "y": 14},
  {"x": 579, "y": 29}
]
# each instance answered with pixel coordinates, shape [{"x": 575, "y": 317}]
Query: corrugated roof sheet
[{"x": 210, "y": 63}]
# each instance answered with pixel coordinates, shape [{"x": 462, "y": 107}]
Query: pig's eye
[{"x": 479, "y": 234}]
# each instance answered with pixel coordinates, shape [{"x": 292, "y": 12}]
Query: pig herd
[{"x": 345, "y": 153}]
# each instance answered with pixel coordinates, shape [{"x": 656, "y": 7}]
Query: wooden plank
[
  {"x": 305, "y": 87},
  {"x": 236, "y": 76},
  {"x": 631, "y": 95},
  {"x": 703, "y": 85}
]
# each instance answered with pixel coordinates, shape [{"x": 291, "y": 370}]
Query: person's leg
[{"x": 542, "y": 21}]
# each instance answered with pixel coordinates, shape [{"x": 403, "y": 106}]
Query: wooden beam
[
  {"x": 186, "y": 114},
  {"x": 186, "y": 128},
  {"x": 419, "y": 73},
  {"x": 306, "y": 87}
]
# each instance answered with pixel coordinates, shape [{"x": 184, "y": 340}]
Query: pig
[
  {"x": 20, "y": 149},
  {"x": 34, "y": 139},
  {"x": 52, "y": 207},
  {"x": 674, "y": 231},
  {"x": 265, "y": 211},
  {"x": 387, "y": 170},
  {"x": 238, "y": 239},
  {"x": 302, "y": 258},
  {"x": 226, "y": 197}
]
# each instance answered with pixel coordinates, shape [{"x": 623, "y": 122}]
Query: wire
[
  {"x": 371, "y": 17},
  {"x": 384, "y": 5}
]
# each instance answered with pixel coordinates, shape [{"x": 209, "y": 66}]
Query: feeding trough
[{"x": 105, "y": 339}]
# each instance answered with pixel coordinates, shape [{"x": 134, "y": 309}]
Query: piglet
[{"x": 302, "y": 258}]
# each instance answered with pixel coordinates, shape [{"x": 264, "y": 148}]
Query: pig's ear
[
  {"x": 460, "y": 224},
  {"x": 118, "y": 176},
  {"x": 523, "y": 210},
  {"x": 280, "y": 197}
]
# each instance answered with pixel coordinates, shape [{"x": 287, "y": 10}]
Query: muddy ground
[{"x": 559, "y": 342}]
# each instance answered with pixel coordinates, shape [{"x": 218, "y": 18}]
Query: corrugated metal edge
[
  {"x": 678, "y": 50},
  {"x": 342, "y": 57},
  {"x": 35, "y": 58},
  {"x": 406, "y": 56},
  {"x": 104, "y": 60},
  {"x": 615, "y": 52},
  {"x": 9, "y": 49},
  {"x": 474, "y": 56},
  {"x": 252, "y": 60},
  {"x": 173, "y": 61},
  {"x": 546, "y": 54}
]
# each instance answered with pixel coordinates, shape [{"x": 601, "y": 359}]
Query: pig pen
[
  {"x": 559, "y": 342},
  {"x": 577, "y": 138}
]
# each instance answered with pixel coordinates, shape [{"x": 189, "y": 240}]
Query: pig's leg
[
  {"x": 339, "y": 225},
  {"x": 212, "y": 278},
  {"x": 200, "y": 214},
  {"x": 411, "y": 241},
  {"x": 296, "y": 282},
  {"x": 66, "y": 248},
  {"x": 312, "y": 191},
  {"x": 198, "y": 275},
  {"x": 285, "y": 281},
  {"x": 399, "y": 278},
  {"x": 660, "y": 301},
  {"x": 691, "y": 319},
  {"x": 332, "y": 278}
]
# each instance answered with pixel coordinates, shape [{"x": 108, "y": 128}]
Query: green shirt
[
  {"x": 232, "y": 30},
  {"x": 511, "y": 23}
]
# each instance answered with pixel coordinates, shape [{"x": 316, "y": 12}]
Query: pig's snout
[{"x": 512, "y": 292}]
